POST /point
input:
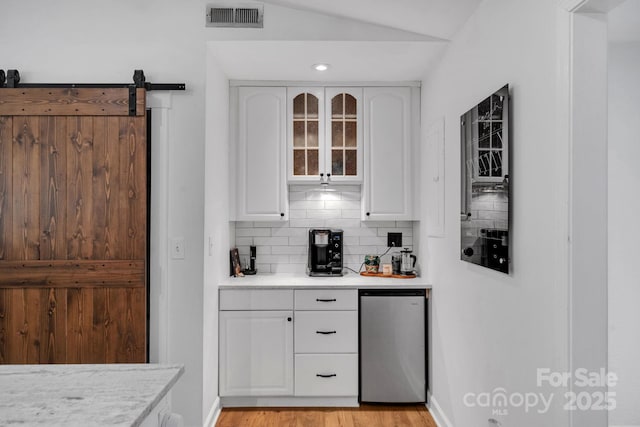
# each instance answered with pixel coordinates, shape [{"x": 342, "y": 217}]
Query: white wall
[
  {"x": 85, "y": 41},
  {"x": 216, "y": 223},
  {"x": 490, "y": 330},
  {"x": 624, "y": 230}
]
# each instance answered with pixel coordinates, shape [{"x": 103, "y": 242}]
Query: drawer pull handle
[
  {"x": 326, "y": 375},
  {"x": 325, "y": 332},
  {"x": 325, "y": 300}
]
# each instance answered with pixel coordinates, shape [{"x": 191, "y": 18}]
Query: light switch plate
[{"x": 177, "y": 248}]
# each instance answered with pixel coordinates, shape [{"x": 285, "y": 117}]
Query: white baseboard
[
  {"x": 635, "y": 425},
  {"x": 231, "y": 402},
  {"x": 214, "y": 413},
  {"x": 437, "y": 414}
]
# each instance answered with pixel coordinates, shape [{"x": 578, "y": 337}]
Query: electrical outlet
[{"x": 394, "y": 240}]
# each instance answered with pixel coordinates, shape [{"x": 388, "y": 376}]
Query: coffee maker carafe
[{"x": 325, "y": 253}]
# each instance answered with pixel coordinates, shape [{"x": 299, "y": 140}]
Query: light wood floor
[{"x": 364, "y": 416}]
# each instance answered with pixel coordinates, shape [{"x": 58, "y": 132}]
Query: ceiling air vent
[{"x": 237, "y": 16}]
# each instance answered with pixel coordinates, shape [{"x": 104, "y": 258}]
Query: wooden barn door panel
[{"x": 73, "y": 235}]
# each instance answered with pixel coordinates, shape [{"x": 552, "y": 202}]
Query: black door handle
[
  {"x": 326, "y": 375},
  {"x": 325, "y": 300},
  {"x": 325, "y": 332}
]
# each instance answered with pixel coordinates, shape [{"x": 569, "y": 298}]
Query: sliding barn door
[{"x": 73, "y": 226}]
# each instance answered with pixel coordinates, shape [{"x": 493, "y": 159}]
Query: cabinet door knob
[
  {"x": 325, "y": 332},
  {"x": 288, "y": 319},
  {"x": 368, "y": 214},
  {"x": 325, "y": 300},
  {"x": 282, "y": 214}
]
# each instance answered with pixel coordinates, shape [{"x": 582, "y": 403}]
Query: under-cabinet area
[
  {"x": 294, "y": 346},
  {"x": 325, "y": 136}
]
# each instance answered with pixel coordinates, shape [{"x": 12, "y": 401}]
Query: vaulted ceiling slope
[{"x": 435, "y": 18}]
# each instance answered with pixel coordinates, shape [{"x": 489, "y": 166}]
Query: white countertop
[
  {"x": 349, "y": 280},
  {"x": 82, "y": 395}
]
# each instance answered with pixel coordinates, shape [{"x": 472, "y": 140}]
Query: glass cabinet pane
[
  {"x": 337, "y": 162},
  {"x": 306, "y": 135},
  {"x": 298, "y": 134},
  {"x": 299, "y": 162},
  {"x": 298, "y": 106},
  {"x": 349, "y": 106},
  {"x": 344, "y": 135},
  {"x": 312, "y": 134},
  {"x": 337, "y": 135},
  {"x": 337, "y": 107},
  {"x": 350, "y": 162},
  {"x": 350, "y": 134},
  {"x": 312, "y": 162},
  {"x": 312, "y": 106}
]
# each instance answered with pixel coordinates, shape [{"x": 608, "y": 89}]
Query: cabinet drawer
[
  {"x": 256, "y": 299},
  {"x": 326, "y": 332},
  {"x": 327, "y": 299},
  {"x": 326, "y": 375}
]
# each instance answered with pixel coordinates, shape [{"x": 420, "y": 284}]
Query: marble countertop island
[{"x": 82, "y": 395}]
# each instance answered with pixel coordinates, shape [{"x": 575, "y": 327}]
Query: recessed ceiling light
[{"x": 321, "y": 67}]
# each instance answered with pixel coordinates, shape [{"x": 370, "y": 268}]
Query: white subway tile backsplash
[
  {"x": 351, "y": 195},
  {"x": 288, "y": 268},
  {"x": 289, "y": 250},
  {"x": 274, "y": 259},
  {"x": 299, "y": 241},
  {"x": 351, "y": 213},
  {"x": 297, "y": 213},
  {"x": 342, "y": 204},
  {"x": 282, "y": 245},
  {"x": 405, "y": 231},
  {"x": 263, "y": 268},
  {"x": 307, "y": 223},
  {"x": 376, "y": 224},
  {"x": 253, "y": 232},
  {"x": 306, "y": 204},
  {"x": 321, "y": 195},
  {"x": 270, "y": 224},
  {"x": 289, "y": 232},
  {"x": 244, "y": 224},
  {"x": 244, "y": 241},
  {"x": 323, "y": 213},
  {"x": 271, "y": 241},
  {"x": 342, "y": 223}
]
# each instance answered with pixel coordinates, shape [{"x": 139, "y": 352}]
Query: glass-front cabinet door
[
  {"x": 306, "y": 133},
  {"x": 344, "y": 130},
  {"x": 324, "y": 134}
]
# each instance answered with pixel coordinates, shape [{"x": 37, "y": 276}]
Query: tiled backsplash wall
[{"x": 282, "y": 246}]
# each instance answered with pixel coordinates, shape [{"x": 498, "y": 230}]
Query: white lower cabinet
[
  {"x": 326, "y": 332},
  {"x": 286, "y": 342},
  {"x": 326, "y": 374},
  {"x": 256, "y": 353}
]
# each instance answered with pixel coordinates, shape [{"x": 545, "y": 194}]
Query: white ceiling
[
  {"x": 624, "y": 22},
  {"x": 349, "y": 60},
  {"x": 437, "y": 18},
  {"x": 373, "y": 57}
]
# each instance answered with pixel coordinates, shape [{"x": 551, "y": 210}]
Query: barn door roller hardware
[{"x": 12, "y": 80}]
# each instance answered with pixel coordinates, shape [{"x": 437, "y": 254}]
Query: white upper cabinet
[
  {"x": 388, "y": 189},
  {"x": 261, "y": 169},
  {"x": 324, "y": 134}
]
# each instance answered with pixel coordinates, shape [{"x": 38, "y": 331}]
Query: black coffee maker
[{"x": 325, "y": 252}]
